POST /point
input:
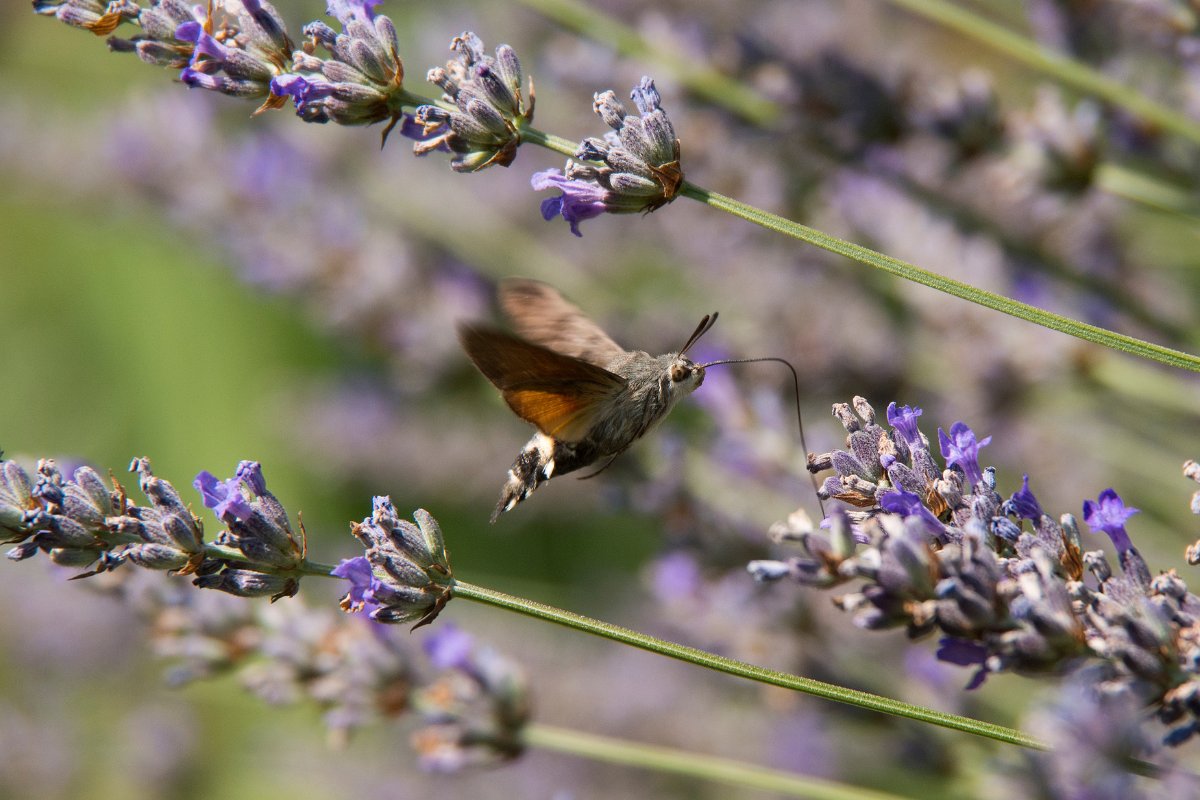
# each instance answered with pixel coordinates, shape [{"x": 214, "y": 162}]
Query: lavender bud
[
  {"x": 246, "y": 583},
  {"x": 16, "y": 496}
]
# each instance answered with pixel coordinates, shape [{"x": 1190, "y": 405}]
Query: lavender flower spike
[
  {"x": 634, "y": 168},
  {"x": 410, "y": 577},
  {"x": 258, "y": 524},
  {"x": 960, "y": 449},
  {"x": 100, "y": 18},
  {"x": 254, "y": 48},
  {"x": 361, "y": 82},
  {"x": 485, "y": 127}
]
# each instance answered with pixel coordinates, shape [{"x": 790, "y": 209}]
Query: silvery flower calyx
[
  {"x": 484, "y": 128},
  {"x": 634, "y": 168}
]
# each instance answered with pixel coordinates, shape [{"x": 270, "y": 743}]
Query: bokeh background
[{"x": 180, "y": 281}]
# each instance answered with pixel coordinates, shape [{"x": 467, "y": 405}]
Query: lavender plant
[
  {"x": 940, "y": 551},
  {"x": 1030, "y": 209},
  {"x": 362, "y": 83}
]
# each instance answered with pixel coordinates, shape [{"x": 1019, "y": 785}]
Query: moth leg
[{"x": 607, "y": 464}]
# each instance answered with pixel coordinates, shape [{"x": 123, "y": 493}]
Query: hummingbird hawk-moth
[{"x": 588, "y": 397}]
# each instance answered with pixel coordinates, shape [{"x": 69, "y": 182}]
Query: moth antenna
[
  {"x": 704, "y": 327},
  {"x": 795, "y": 384}
]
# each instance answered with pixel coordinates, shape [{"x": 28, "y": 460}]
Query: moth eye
[{"x": 679, "y": 372}]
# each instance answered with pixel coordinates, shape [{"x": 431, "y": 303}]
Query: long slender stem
[
  {"x": 1148, "y": 190},
  {"x": 903, "y": 269},
  {"x": 692, "y": 765},
  {"x": 1063, "y": 69},
  {"x": 742, "y": 99},
  {"x": 741, "y": 669}
]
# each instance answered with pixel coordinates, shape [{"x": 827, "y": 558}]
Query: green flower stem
[
  {"x": 702, "y": 81},
  {"x": 549, "y": 141},
  {"x": 902, "y": 269},
  {"x": 1065, "y": 70},
  {"x": 1148, "y": 190},
  {"x": 741, "y": 669},
  {"x": 692, "y": 765}
]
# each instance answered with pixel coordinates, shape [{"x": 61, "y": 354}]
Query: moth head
[{"x": 685, "y": 374}]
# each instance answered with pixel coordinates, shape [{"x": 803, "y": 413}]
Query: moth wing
[
  {"x": 560, "y": 394},
  {"x": 543, "y": 316}
]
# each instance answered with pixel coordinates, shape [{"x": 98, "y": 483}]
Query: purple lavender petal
[
  {"x": 910, "y": 505},
  {"x": 579, "y": 200},
  {"x": 1108, "y": 513},
  {"x": 223, "y": 497},
  {"x": 362, "y": 582},
  {"x": 904, "y": 420},
  {"x": 346, "y": 10},
  {"x": 965, "y": 653},
  {"x": 961, "y": 449}
]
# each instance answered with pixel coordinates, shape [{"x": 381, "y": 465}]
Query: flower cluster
[
  {"x": 405, "y": 574},
  {"x": 360, "y": 83},
  {"x": 81, "y": 522},
  {"x": 1093, "y": 739},
  {"x": 476, "y": 710},
  {"x": 1007, "y": 587},
  {"x": 90, "y": 15},
  {"x": 258, "y": 527},
  {"x": 485, "y": 128},
  {"x": 170, "y": 30},
  {"x": 635, "y": 167},
  {"x": 471, "y": 702}
]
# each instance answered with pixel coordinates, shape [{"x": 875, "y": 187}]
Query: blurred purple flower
[
  {"x": 965, "y": 653},
  {"x": 674, "y": 576},
  {"x": 450, "y": 647}
]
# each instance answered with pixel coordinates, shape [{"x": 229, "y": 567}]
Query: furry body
[
  {"x": 589, "y": 398},
  {"x": 651, "y": 396}
]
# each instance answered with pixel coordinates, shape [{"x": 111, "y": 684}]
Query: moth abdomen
[{"x": 542, "y": 458}]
